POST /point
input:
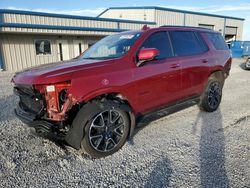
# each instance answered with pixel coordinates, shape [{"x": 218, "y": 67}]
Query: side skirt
[{"x": 148, "y": 117}]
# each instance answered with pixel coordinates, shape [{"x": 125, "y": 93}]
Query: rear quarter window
[
  {"x": 217, "y": 40},
  {"x": 187, "y": 43}
]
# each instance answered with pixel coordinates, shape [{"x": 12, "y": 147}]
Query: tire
[
  {"x": 245, "y": 64},
  {"x": 106, "y": 128},
  {"x": 211, "y": 97}
]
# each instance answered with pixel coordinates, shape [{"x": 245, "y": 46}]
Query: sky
[{"x": 235, "y": 8}]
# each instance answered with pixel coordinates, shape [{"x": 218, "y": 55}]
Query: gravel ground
[{"x": 188, "y": 148}]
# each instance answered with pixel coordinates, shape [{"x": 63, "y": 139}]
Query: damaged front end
[{"x": 45, "y": 107}]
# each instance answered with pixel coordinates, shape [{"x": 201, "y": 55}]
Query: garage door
[
  {"x": 207, "y": 26},
  {"x": 231, "y": 30}
]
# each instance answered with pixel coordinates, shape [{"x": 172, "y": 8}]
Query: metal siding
[
  {"x": 1, "y": 18},
  {"x": 18, "y": 56},
  {"x": 46, "y": 20},
  {"x": 166, "y": 9},
  {"x": 42, "y": 29},
  {"x": 169, "y": 18},
  {"x": 195, "y": 20},
  {"x": 1, "y": 57},
  {"x": 164, "y": 16},
  {"x": 19, "y": 50},
  {"x": 8, "y": 11},
  {"x": 130, "y": 14},
  {"x": 56, "y": 31},
  {"x": 131, "y": 26}
]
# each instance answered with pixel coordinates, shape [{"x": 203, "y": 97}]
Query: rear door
[
  {"x": 158, "y": 82},
  {"x": 194, "y": 57}
]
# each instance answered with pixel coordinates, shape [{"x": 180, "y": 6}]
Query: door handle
[
  {"x": 175, "y": 65},
  {"x": 205, "y": 61}
]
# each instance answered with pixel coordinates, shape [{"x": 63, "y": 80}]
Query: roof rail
[{"x": 191, "y": 27}]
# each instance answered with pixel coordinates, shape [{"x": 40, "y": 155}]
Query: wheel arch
[
  {"x": 218, "y": 74},
  {"x": 75, "y": 134}
]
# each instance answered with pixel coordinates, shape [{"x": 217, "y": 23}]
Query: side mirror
[{"x": 147, "y": 54}]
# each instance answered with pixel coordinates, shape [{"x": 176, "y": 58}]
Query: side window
[
  {"x": 160, "y": 41},
  {"x": 217, "y": 40},
  {"x": 202, "y": 43},
  {"x": 187, "y": 43}
]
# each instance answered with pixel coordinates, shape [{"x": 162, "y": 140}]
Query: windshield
[{"x": 113, "y": 46}]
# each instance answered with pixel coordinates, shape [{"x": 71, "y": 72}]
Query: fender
[
  {"x": 104, "y": 91},
  {"x": 93, "y": 94}
]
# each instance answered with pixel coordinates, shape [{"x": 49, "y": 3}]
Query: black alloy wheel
[
  {"x": 106, "y": 130},
  {"x": 211, "y": 97},
  {"x": 214, "y": 95}
]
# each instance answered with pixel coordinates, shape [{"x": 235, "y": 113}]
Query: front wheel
[
  {"x": 106, "y": 130},
  {"x": 211, "y": 98}
]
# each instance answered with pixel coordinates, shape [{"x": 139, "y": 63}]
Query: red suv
[{"x": 93, "y": 101}]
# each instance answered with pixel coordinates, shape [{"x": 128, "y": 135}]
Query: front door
[
  {"x": 158, "y": 82},
  {"x": 63, "y": 50}
]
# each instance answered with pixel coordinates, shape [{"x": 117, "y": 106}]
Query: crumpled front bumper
[
  {"x": 42, "y": 127},
  {"x": 31, "y": 120},
  {"x": 31, "y": 111},
  {"x": 25, "y": 117}
]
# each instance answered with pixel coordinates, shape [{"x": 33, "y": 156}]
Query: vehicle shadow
[
  {"x": 212, "y": 150},
  {"x": 143, "y": 122},
  {"x": 67, "y": 150},
  {"x": 160, "y": 175}
]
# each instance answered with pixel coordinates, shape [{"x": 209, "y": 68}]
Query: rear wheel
[
  {"x": 106, "y": 130},
  {"x": 247, "y": 65},
  {"x": 211, "y": 98}
]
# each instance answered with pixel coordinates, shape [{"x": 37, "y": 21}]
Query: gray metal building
[
  {"x": 34, "y": 38},
  {"x": 230, "y": 27}
]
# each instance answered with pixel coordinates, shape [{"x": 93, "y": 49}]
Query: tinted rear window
[
  {"x": 187, "y": 43},
  {"x": 217, "y": 41},
  {"x": 160, "y": 41}
]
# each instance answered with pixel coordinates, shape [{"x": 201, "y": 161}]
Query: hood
[{"x": 55, "y": 72}]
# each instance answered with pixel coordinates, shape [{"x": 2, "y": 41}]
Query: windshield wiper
[{"x": 103, "y": 58}]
